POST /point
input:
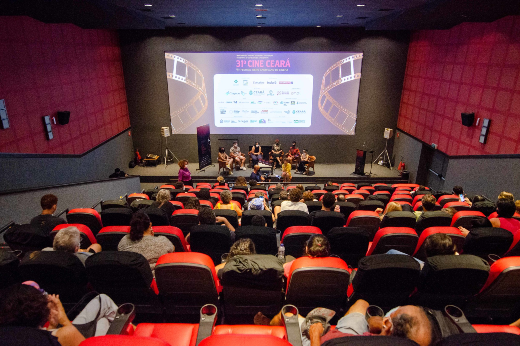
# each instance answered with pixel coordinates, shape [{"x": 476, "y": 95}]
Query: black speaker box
[
  {"x": 467, "y": 119},
  {"x": 63, "y": 117}
]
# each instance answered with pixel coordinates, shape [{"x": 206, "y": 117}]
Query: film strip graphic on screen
[
  {"x": 332, "y": 110},
  {"x": 186, "y": 72}
]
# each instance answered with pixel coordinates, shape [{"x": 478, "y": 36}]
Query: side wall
[{"x": 380, "y": 91}]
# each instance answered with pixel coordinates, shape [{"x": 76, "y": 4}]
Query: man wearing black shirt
[
  {"x": 46, "y": 222},
  {"x": 256, "y": 174}
]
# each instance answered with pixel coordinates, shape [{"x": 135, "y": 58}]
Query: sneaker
[{"x": 243, "y": 168}]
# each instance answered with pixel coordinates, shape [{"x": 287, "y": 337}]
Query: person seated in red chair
[
  {"x": 410, "y": 322},
  {"x": 428, "y": 204},
  {"x": 46, "y": 221},
  {"x": 241, "y": 247},
  {"x": 237, "y": 155},
  {"x": 506, "y": 208},
  {"x": 69, "y": 240},
  {"x": 390, "y": 207},
  {"x": 317, "y": 246},
  {"x": 294, "y": 152},
  {"x": 294, "y": 202}
]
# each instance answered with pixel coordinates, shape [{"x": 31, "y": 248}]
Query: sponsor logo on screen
[
  {"x": 261, "y": 121},
  {"x": 285, "y": 82},
  {"x": 222, "y": 111},
  {"x": 271, "y": 82},
  {"x": 299, "y": 121}
]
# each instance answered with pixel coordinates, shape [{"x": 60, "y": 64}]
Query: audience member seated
[
  {"x": 506, "y": 195},
  {"x": 327, "y": 205},
  {"x": 26, "y": 305},
  {"x": 255, "y": 175},
  {"x": 294, "y": 202},
  {"x": 117, "y": 174},
  {"x": 237, "y": 155},
  {"x": 46, "y": 222},
  {"x": 162, "y": 201},
  {"x": 207, "y": 217},
  {"x": 421, "y": 190},
  {"x": 517, "y": 205},
  {"x": 258, "y": 203},
  {"x": 241, "y": 181},
  {"x": 276, "y": 190},
  {"x": 225, "y": 159},
  {"x": 458, "y": 190},
  {"x": 221, "y": 181},
  {"x": 428, "y": 204},
  {"x": 68, "y": 239},
  {"x": 142, "y": 240},
  {"x": 450, "y": 211},
  {"x": 410, "y": 322},
  {"x": 286, "y": 171},
  {"x": 284, "y": 196},
  {"x": 390, "y": 207},
  {"x": 225, "y": 197},
  {"x": 244, "y": 246},
  {"x": 317, "y": 246},
  {"x": 256, "y": 154},
  {"x": 506, "y": 209},
  {"x": 308, "y": 196}
]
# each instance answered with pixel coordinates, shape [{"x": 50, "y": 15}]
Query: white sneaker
[{"x": 243, "y": 168}]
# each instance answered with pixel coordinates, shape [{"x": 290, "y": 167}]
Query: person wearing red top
[
  {"x": 506, "y": 209},
  {"x": 294, "y": 152},
  {"x": 184, "y": 173}
]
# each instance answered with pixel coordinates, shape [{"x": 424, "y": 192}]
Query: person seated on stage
[
  {"x": 506, "y": 208},
  {"x": 69, "y": 240},
  {"x": 307, "y": 196},
  {"x": 294, "y": 203},
  {"x": 118, "y": 174},
  {"x": 304, "y": 159},
  {"x": 162, "y": 201},
  {"x": 255, "y": 175},
  {"x": 27, "y": 305},
  {"x": 184, "y": 173},
  {"x": 294, "y": 152},
  {"x": 241, "y": 247},
  {"x": 142, "y": 240},
  {"x": 224, "y": 158},
  {"x": 45, "y": 222},
  {"x": 276, "y": 153},
  {"x": 237, "y": 155},
  {"x": 428, "y": 204},
  {"x": 409, "y": 322},
  {"x": 225, "y": 197},
  {"x": 392, "y": 206},
  {"x": 284, "y": 196},
  {"x": 256, "y": 154},
  {"x": 286, "y": 171}
]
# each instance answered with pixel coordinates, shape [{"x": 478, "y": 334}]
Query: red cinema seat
[
  {"x": 491, "y": 328},
  {"x": 448, "y": 198},
  {"x": 206, "y": 203},
  {"x": 295, "y": 237},
  {"x": 185, "y": 197},
  {"x": 184, "y": 219},
  {"x": 465, "y": 217},
  {"x": 402, "y": 192},
  {"x": 407, "y": 206},
  {"x": 398, "y": 219},
  {"x": 368, "y": 220},
  {"x": 348, "y": 188},
  {"x": 167, "y": 186},
  {"x": 223, "y": 187},
  {"x": 290, "y": 218},
  {"x": 514, "y": 249},
  {"x": 386, "y": 193},
  {"x": 349, "y": 243},
  {"x": 123, "y": 340},
  {"x": 494, "y": 215},
  {"x": 119, "y": 216},
  {"x": 186, "y": 281},
  {"x": 134, "y": 196},
  {"x": 460, "y": 206},
  {"x": 318, "y": 193},
  {"x": 86, "y": 216},
  {"x": 363, "y": 193},
  {"x": 453, "y": 232},
  {"x": 230, "y": 215},
  {"x": 87, "y": 238},
  {"x": 316, "y": 282},
  {"x": 370, "y": 189},
  {"x": 403, "y": 198},
  {"x": 403, "y": 239},
  {"x": 214, "y": 198},
  {"x": 182, "y": 334},
  {"x": 109, "y": 237},
  {"x": 174, "y": 235},
  {"x": 243, "y": 339},
  {"x": 341, "y": 192},
  {"x": 249, "y": 329},
  {"x": 348, "y": 184},
  {"x": 177, "y": 205},
  {"x": 416, "y": 199},
  {"x": 354, "y": 198},
  {"x": 410, "y": 186}
]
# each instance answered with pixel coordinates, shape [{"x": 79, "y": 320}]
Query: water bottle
[{"x": 281, "y": 252}]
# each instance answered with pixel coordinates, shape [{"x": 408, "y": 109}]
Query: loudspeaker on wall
[
  {"x": 63, "y": 117},
  {"x": 467, "y": 119}
]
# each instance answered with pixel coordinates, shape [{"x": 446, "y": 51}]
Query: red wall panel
[
  {"x": 45, "y": 68},
  {"x": 473, "y": 67}
]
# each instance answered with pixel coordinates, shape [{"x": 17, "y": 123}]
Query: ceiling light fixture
[
  {"x": 258, "y": 16},
  {"x": 339, "y": 15},
  {"x": 318, "y": 26},
  {"x": 171, "y": 16},
  {"x": 148, "y": 5},
  {"x": 259, "y": 5},
  {"x": 258, "y": 26},
  {"x": 360, "y": 5}
]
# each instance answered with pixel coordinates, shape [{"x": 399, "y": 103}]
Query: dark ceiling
[{"x": 374, "y": 15}]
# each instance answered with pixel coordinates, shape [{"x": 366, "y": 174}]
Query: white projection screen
[{"x": 313, "y": 93}]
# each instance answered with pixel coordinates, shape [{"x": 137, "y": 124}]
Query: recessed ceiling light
[
  {"x": 171, "y": 16},
  {"x": 339, "y": 15},
  {"x": 148, "y": 5},
  {"x": 259, "y": 5},
  {"x": 258, "y": 26},
  {"x": 360, "y": 5},
  {"x": 258, "y": 16},
  {"x": 318, "y": 26}
]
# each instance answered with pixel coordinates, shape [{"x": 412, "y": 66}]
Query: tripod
[
  {"x": 384, "y": 156},
  {"x": 168, "y": 154}
]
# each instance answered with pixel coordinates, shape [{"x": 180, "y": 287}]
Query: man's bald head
[{"x": 409, "y": 322}]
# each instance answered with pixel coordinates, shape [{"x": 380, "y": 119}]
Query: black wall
[{"x": 383, "y": 70}]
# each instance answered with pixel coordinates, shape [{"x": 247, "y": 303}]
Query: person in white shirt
[
  {"x": 235, "y": 153},
  {"x": 294, "y": 202}
]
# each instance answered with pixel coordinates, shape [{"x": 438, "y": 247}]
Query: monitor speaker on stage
[{"x": 63, "y": 117}]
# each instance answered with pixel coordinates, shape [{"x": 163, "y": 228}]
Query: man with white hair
[{"x": 68, "y": 239}]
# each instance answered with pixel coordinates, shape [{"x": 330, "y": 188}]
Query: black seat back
[
  {"x": 398, "y": 219},
  {"x": 114, "y": 203},
  {"x": 264, "y": 238},
  {"x": 371, "y": 204},
  {"x": 487, "y": 240},
  {"x": 432, "y": 219},
  {"x": 326, "y": 220},
  {"x": 349, "y": 243},
  {"x": 313, "y": 206},
  {"x": 485, "y": 207},
  {"x": 139, "y": 204},
  {"x": 26, "y": 238},
  {"x": 230, "y": 215},
  {"x": 157, "y": 216},
  {"x": 212, "y": 240},
  {"x": 8, "y": 268},
  {"x": 346, "y": 208},
  {"x": 116, "y": 217},
  {"x": 247, "y": 216},
  {"x": 289, "y": 218}
]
